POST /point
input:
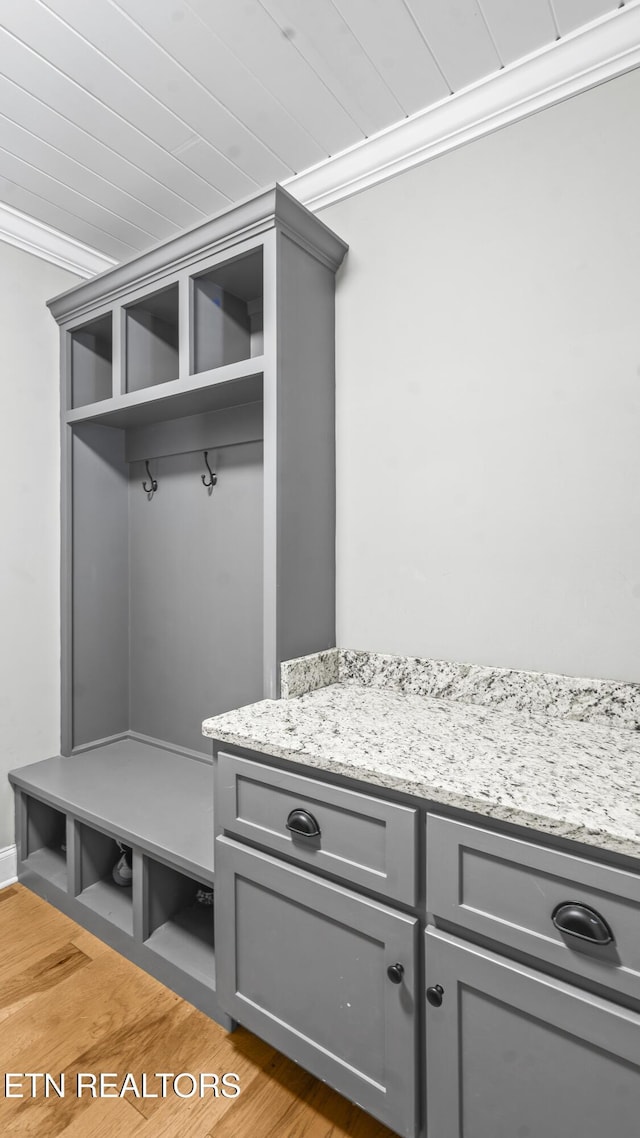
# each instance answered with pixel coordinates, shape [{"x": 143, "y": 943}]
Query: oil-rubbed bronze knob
[
  {"x": 395, "y": 972},
  {"x": 435, "y": 994}
]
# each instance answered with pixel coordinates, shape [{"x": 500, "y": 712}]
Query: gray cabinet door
[
  {"x": 515, "y": 1054},
  {"x": 303, "y": 963}
]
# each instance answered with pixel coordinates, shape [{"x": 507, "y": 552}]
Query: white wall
[
  {"x": 29, "y": 518},
  {"x": 488, "y": 381}
]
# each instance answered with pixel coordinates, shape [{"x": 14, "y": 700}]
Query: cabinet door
[
  {"x": 303, "y": 963},
  {"x": 515, "y": 1054}
]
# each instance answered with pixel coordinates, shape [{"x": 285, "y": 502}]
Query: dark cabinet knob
[
  {"x": 302, "y": 822},
  {"x": 395, "y": 972},
  {"x": 435, "y": 994},
  {"x": 580, "y": 921}
]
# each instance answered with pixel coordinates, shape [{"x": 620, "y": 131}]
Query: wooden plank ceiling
[{"x": 123, "y": 121}]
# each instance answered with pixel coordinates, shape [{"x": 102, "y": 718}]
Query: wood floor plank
[
  {"x": 106, "y": 994},
  {"x": 246, "y": 1057},
  {"x": 261, "y": 1107},
  {"x": 193, "y": 1043},
  {"x": 26, "y": 924},
  {"x": 323, "y": 1113},
  {"x": 39, "y": 977},
  {"x": 89, "y": 944},
  {"x": 107, "y": 1118},
  {"x": 72, "y": 1004}
]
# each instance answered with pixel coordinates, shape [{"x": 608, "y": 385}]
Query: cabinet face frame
[
  {"x": 461, "y": 968},
  {"x": 395, "y": 1100}
]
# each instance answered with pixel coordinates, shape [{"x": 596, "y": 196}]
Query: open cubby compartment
[
  {"x": 227, "y": 312},
  {"x": 98, "y": 854},
  {"x": 45, "y": 841},
  {"x": 152, "y": 340},
  {"x": 179, "y": 928},
  {"x": 167, "y": 600},
  {"x": 92, "y": 361}
]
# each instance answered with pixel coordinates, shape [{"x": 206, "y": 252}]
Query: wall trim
[
  {"x": 50, "y": 244},
  {"x": 591, "y": 55},
  {"x": 8, "y": 866}
]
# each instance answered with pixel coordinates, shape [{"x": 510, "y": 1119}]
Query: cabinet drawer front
[
  {"x": 303, "y": 963},
  {"x": 362, "y": 840},
  {"x": 510, "y": 1051},
  {"x": 508, "y": 889}
]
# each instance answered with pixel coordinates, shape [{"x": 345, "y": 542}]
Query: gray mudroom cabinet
[
  {"x": 455, "y": 978},
  {"x": 198, "y": 552}
]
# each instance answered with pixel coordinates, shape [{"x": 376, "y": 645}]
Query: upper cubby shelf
[
  {"x": 179, "y": 331},
  {"x": 151, "y": 342},
  {"x": 227, "y": 313},
  {"x": 153, "y": 379},
  {"x": 91, "y": 361}
]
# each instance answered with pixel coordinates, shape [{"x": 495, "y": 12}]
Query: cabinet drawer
[
  {"x": 512, "y": 1052},
  {"x": 302, "y": 962},
  {"x": 508, "y": 889},
  {"x": 362, "y": 840}
]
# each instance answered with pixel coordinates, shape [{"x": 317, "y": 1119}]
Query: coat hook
[
  {"x": 154, "y": 485},
  {"x": 214, "y": 477}
]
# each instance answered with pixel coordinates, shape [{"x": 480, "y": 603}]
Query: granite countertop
[{"x": 561, "y": 776}]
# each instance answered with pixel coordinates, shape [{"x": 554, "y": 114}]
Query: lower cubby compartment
[
  {"x": 179, "y": 927},
  {"x": 45, "y": 842},
  {"x": 97, "y": 889},
  {"x": 154, "y": 923}
]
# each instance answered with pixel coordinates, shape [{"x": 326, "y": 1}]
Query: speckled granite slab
[
  {"x": 307, "y": 673},
  {"x": 565, "y": 697},
  {"x": 558, "y": 776}
]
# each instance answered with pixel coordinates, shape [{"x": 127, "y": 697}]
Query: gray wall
[
  {"x": 488, "y": 388},
  {"x": 29, "y": 518}
]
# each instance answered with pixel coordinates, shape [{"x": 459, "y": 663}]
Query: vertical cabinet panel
[
  {"x": 512, "y": 1052},
  {"x": 303, "y": 963}
]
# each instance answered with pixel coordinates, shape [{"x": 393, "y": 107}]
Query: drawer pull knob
[
  {"x": 395, "y": 972},
  {"x": 580, "y": 921},
  {"x": 435, "y": 994},
  {"x": 302, "y": 822}
]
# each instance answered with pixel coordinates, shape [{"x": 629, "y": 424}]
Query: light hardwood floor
[{"x": 70, "y": 1004}]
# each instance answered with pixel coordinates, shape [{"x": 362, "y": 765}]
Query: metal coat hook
[
  {"x": 154, "y": 485},
  {"x": 213, "y": 476}
]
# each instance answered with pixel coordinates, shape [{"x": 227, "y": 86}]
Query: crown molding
[
  {"x": 42, "y": 240},
  {"x": 591, "y": 55}
]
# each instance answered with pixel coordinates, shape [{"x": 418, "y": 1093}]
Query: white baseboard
[{"x": 8, "y": 866}]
